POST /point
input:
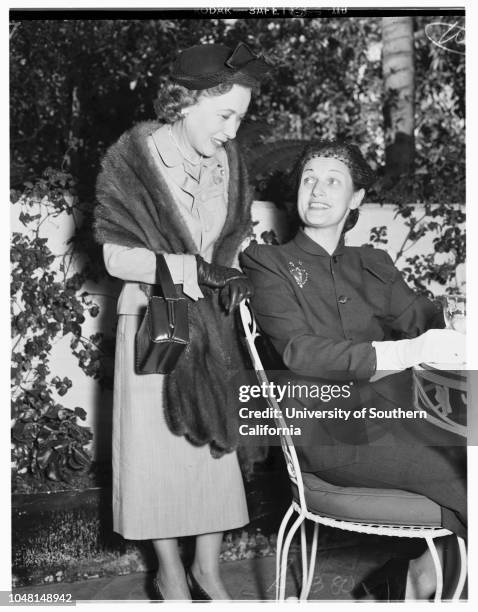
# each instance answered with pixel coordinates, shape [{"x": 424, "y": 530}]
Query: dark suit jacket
[{"x": 322, "y": 312}]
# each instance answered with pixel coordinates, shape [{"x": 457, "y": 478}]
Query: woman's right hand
[{"x": 445, "y": 346}]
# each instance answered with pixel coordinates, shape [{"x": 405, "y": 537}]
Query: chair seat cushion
[{"x": 362, "y": 504}]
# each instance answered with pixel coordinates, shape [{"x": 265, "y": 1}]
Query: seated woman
[{"x": 335, "y": 312}]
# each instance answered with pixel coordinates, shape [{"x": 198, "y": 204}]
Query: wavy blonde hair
[{"x": 172, "y": 98}]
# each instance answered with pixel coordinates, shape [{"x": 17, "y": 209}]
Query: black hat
[{"x": 204, "y": 66}]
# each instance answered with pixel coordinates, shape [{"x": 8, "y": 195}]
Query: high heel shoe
[
  {"x": 389, "y": 582},
  {"x": 196, "y": 590}
]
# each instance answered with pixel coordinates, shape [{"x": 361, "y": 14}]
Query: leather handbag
[{"x": 164, "y": 331}]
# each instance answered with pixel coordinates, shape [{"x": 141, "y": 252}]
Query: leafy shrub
[
  {"x": 446, "y": 222},
  {"x": 77, "y": 84},
  {"x": 49, "y": 444}
]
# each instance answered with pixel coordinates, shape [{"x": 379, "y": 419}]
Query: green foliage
[
  {"x": 446, "y": 223},
  {"x": 328, "y": 84},
  {"x": 78, "y": 84},
  {"x": 324, "y": 83},
  {"x": 48, "y": 442},
  {"x": 440, "y": 119}
]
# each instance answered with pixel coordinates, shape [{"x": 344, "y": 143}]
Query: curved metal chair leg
[
  {"x": 311, "y": 570},
  {"x": 463, "y": 569},
  {"x": 438, "y": 569},
  {"x": 305, "y": 565},
  {"x": 285, "y": 553},
  {"x": 280, "y": 537}
]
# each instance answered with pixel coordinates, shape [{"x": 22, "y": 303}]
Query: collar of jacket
[
  {"x": 169, "y": 152},
  {"x": 305, "y": 243}
]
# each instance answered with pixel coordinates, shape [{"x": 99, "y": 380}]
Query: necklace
[{"x": 193, "y": 163}]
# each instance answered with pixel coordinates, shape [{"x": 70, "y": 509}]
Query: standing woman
[{"x": 179, "y": 187}]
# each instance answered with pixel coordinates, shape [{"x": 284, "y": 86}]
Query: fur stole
[{"x": 136, "y": 208}]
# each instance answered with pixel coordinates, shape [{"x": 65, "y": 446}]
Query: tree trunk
[
  {"x": 399, "y": 84},
  {"x": 71, "y": 161}
]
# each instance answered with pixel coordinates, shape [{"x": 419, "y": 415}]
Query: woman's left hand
[{"x": 234, "y": 292}]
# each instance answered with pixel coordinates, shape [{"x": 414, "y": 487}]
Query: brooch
[
  {"x": 218, "y": 176},
  {"x": 299, "y": 273}
]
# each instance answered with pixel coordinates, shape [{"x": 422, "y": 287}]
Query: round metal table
[{"x": 442, "y": 393}]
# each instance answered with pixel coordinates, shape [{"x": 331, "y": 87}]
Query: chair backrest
[{"x": 251, "y": 332}]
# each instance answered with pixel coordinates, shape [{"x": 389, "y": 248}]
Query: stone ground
[{"x": 340, "y": 567}]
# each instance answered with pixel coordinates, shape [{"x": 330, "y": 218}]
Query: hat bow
[{"x": 240, "y": 57}]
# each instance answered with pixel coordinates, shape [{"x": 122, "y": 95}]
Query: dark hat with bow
[{"x": 204, "y": 66}]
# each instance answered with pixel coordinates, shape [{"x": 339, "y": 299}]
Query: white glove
[{"x": 433, "y": 346}]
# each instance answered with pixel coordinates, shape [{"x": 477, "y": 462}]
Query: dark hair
[
  {"x": 172, "y": 98},
  {"x": 362, "y": 174}
]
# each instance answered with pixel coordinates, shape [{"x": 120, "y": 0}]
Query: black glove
[
  {"x": 235, "y": 291},
  {"x": 216, "y": 276}
]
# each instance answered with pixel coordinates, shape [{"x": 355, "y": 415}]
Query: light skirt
[{"x": 163, "y": 486}]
